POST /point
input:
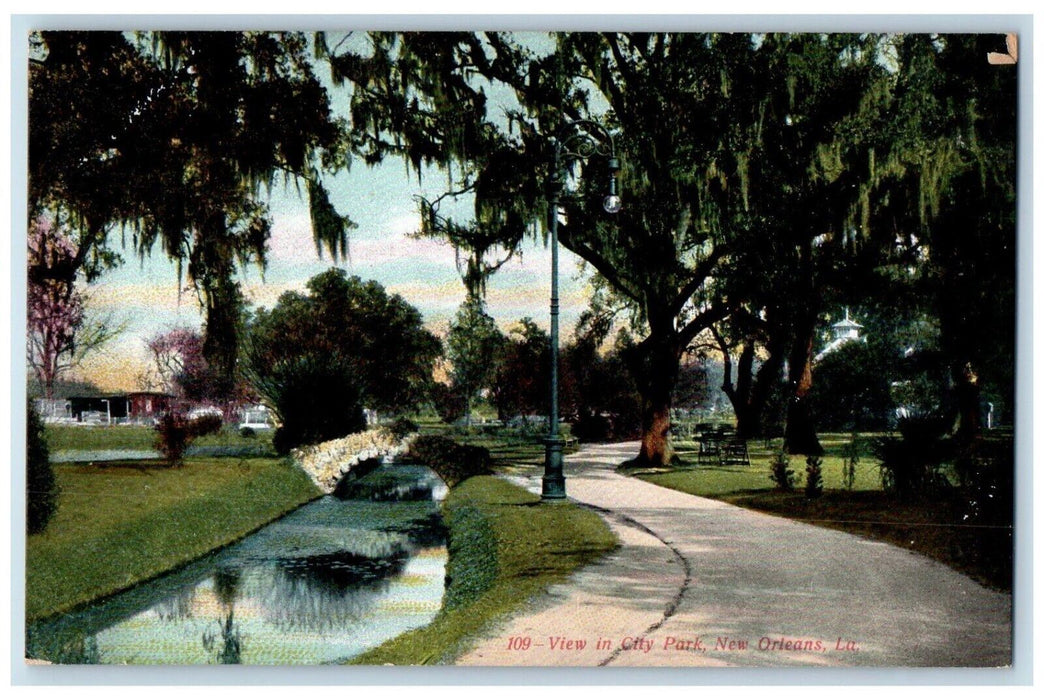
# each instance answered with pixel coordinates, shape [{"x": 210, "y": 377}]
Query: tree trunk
[
  {"x": 800, "y": 436},
  {"x": 657, "y": 374}
]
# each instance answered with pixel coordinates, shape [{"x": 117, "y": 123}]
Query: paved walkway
[{"x": 698, "y": 582}]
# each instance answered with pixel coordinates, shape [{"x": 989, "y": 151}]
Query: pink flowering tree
[
  {"x": 60, "y": 332},
  {"x": 178, "y": 358}
]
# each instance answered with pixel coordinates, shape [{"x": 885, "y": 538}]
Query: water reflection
[{"x": 334, "y": 578}]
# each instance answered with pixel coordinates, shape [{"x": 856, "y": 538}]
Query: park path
[{"x": 695, "y": 580}]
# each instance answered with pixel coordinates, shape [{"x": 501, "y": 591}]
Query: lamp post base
[{"x": 553, "y": 488}]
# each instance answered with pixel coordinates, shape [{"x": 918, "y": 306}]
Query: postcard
[{"x": 521, "y": 349}]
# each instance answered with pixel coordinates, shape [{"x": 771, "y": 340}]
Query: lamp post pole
[{"x": 581, "y": 143}]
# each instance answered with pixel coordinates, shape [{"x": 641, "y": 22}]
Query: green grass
[
  {"x": 118, "y": 525},
  {"x": 715, "y": 480},
  {"x": 139, "y": 437},
  {"x": 505, "y": 548}
]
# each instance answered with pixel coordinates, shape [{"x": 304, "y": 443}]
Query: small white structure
[
  {"x": 846, "y": 331},
  {"x": 256, "y": 418}
]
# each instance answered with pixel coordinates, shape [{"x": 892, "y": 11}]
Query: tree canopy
[{"x": 176, "y": 137}]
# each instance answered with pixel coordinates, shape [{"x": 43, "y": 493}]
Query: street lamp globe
[{"x": 612, "y": 204}]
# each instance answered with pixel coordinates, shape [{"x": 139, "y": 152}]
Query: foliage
[
  {"x": 782, "y": 475},
  {"x": 175, "y": 432},
  {"x": 179, "y": 136},
  {"x": 597, "y": 388},
  {"x": 986, "y": 473},
  {"x": 911, "y": 465},
  {"x": 316, "y": 359},
  {"x": 403, "y": 427},
  {"x": 472, "y": 346},
  {"x": 316, "y": 398},
  {"x": 813, "y": 476},
  {"x": 852, "y": 390},
  {"x": 521, "y": 382},
  {"x": 452, "y": 462},
  {"x": 448, "y": 402},
  {"x": 850, "y": 455},
  {"x": 61, "y": 332},
  {"x": 41, "y": 488}
]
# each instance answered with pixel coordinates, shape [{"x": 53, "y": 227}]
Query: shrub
[
  {"x": 451, "y": 461},
  {"x": 782, "y": 475},
  {"x": 592, "y": 428},
  {"x": 448, "y": 401},
  {"x": 849, "y": 460},
  {"x": 813, "y": 477},
  {"x": 402, "y": 427},
  {"x": 986, "y": 469},
  {"x": 172, "y": 437},
  {"x": 206, "y": 424},
  {"x": 317, "y": 400},
  {"x": 175, "y": 433},
  {"x": 910, "y": 465},
  {"x": 41, "y": 488}
]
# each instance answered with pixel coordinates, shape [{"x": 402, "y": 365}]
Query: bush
[
  {"x": 317, "y": 400},
  {"x": 849, "y": 460},
  {"x": 813, "y": 477},
  {"x": 41, "y": 488},
  {"x": 592, "y": 428},
  {"x": 986, "y": 470},
  {"x": 206, "y": 424},
  {"x": 910, "y": 465},
  {"x": 175, "y": 433},
  {"x": 782, "y": 475},
  {"x": 402, "y": 427},
  {"x": 172, "y": 437},
  {"x": 451, "y": 461},
  {"x": 448, "y": 401}
]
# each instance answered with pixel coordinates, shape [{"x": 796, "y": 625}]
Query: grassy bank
[
  {"x": 140, "y": 437},
  {"x": 933, "y": 526},
  {"x": 505, "y": 548},
  {"x": 119, "y": 525}
]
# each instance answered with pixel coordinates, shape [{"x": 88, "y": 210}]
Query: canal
[{"x": 323, "y": 584}]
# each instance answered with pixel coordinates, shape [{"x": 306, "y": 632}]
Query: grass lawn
[
  {"x": 139, "y": 437},
  {"x": 934, "y": 527},
  {"x": 505, "y": 548},
  {"x": 118, "y": 525}
]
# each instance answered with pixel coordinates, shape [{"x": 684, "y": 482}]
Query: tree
[
  {"x": 718, "y": 135},
  {"x": 61, "y": 331},
  {"x": 178, "y": 135},
  {"x": 41, "y": 488},
  {"x": 318, "y": 358},
  {"x": 472, "y": 347},
  {"x": 522, "y": 379}
]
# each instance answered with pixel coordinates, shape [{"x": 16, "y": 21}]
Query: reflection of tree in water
[
  {"x": 427, "y": 532},
  {"x": 177, "y": 607},
  {"x": 327, "y": 591},
  {"x": 226, "y": 589}
]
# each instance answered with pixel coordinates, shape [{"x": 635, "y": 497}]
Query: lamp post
[{"x": 578, "y": 140}]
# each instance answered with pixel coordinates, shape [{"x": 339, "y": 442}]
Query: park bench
[{"x": 734, "y": 450}]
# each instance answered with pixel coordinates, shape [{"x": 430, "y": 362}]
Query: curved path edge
[{"x": 698, "y": 582}]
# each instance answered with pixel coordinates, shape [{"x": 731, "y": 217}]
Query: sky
[{"x": 143, "y": 297}]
